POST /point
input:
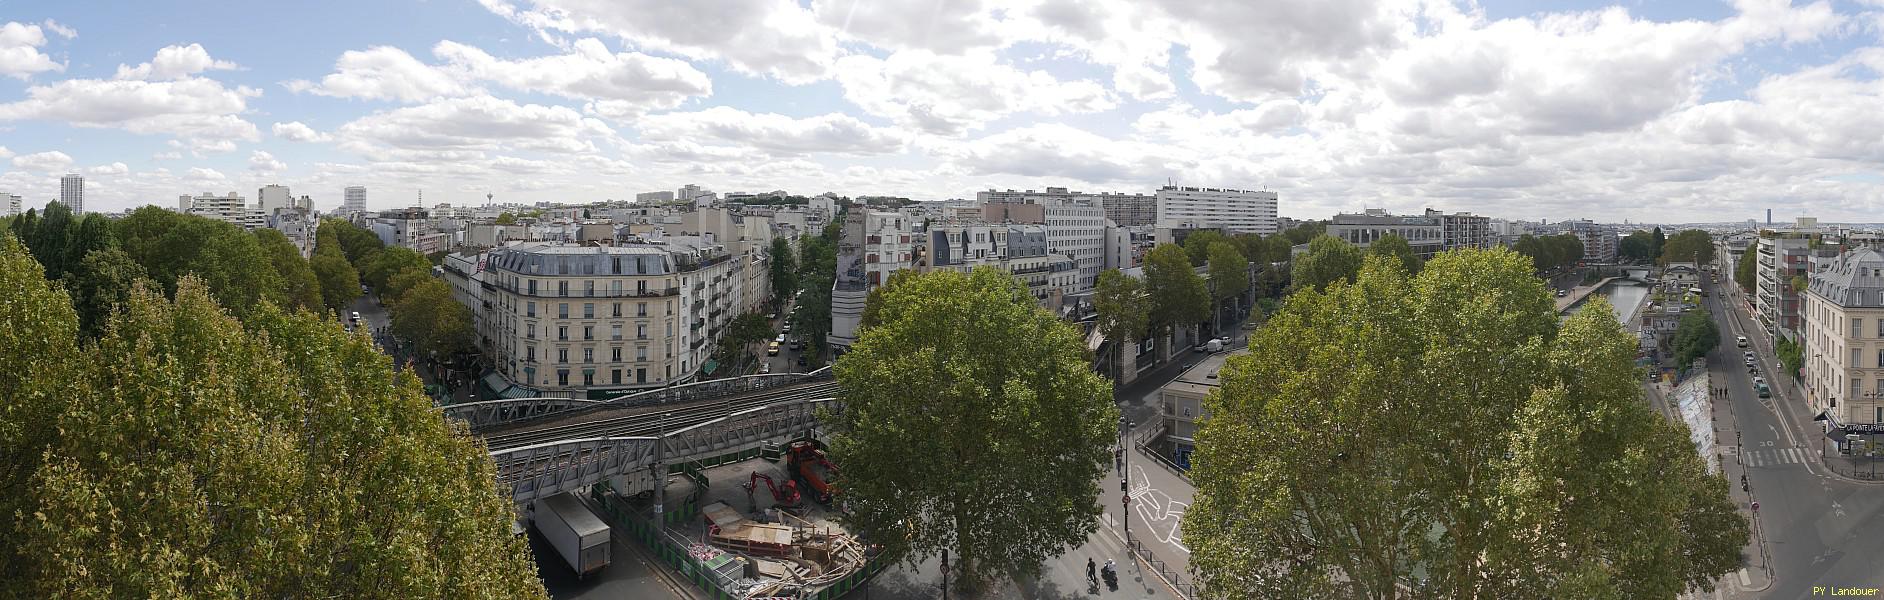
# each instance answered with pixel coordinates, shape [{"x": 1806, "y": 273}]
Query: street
[{"x": 1816, "y": 529}]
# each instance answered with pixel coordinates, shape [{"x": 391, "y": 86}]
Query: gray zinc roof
[
  {"x": 1855, "y": 280},
  {"x": 546, "y": 259}
]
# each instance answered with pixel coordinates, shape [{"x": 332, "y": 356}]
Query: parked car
[
  {"x": 780, "y": 340},
  {"x": 787, "y": 328},
  {"x": 1741, "y": 340},
  {"x": 356, "y": 317},
  {"x": 765, "y": 367},
  {"x": 772, "y": 350},
  {"x": 1749, "y": 361}
]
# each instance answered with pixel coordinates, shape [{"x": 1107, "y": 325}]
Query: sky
[{"x": 1663, "y": 111}]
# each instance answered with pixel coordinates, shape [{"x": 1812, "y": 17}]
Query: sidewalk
[{"x": 1757, "y": 576}]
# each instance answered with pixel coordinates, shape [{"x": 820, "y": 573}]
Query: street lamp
[{"x": 1870, "y": 447}]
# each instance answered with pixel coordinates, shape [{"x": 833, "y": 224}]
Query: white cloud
[
  {"x": 52, "y": 161},
  {"x": 950, "y": 94},
  {"x": 776, "y": 38},
  {"x": 619, "y": 85},
  {"x": 264, "y": 162},
  {"x": 172, "y": 155},
  {"x": 296, "y": 131},
  {"x": 383, "y": 73},
  {"x": 19, "y": 51},
  {"x": 775, "y": 134},
  {"x": 62, "y": 30},
  {"x": 943, "y": 27},
  {"x": 460, "y": 128},
  {"x": 175, "y": 62},
  {"x": 5, "y": 153},
  {"x": 204, "y": 175},
  {"x": 1061, "y": 151},
  {"x": 116, "y": 168},
  {"x": 199, "y": 110}
]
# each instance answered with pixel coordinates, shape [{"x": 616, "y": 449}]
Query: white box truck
[{"x": 576, "y": 533}]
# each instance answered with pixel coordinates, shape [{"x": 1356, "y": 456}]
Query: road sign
[
  {"x": 1125, "y": 500},
  {"x": 1756, "y": 507}
]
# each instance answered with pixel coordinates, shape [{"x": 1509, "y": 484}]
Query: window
[
  {"x": 589, "y": 288},
  {"x": 588, "y": 355},
  {"x": 562, "y": 355},
  {"x": 532, "y": 330},
  {"x": 588, "y": 332},
  {"x": 641, "y": 331},
  {"x": 641, "y": 375},
  {"x": 533, "y": 287},
  {"x": 588, "y": 310},
  {"x": 616, "y": 333},
  {"x": 529, "y": 353},
  {"x": 615, "y": 355},
  {"x": 641, "y": 288},
  {"x": 641, "y": 354},
  {"x": 562, "y": 377},
  {"x": 1854, "y": 357},
  {"x": 562, "y": 288},
  {"x": 1857, "y": 387},
  {"x": 532, "y": 310},
  {"x": 562, "y": 310},
  {"x": 617, "y": 309},
  {"x": 1857, "y": 328},
  {"x": 617, "y": 374},
  {"x": 588, "y": 378},
  {"x": 641, "y": 310},
  {"x": 562, "y": 332}
]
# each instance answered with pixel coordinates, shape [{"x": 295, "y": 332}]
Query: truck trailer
[{"x": 577, "y": 534}]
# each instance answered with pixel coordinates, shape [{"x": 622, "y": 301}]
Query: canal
[{"x": 1624, "y": 296}]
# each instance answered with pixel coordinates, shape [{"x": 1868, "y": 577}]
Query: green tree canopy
[
  {"x": 228, "y": 259},
  {"x": 1329, "y": 260},
  {"x": 1658, "y": 241},
  {"x": 381, "y": 266},
  {"x": 784, "y": 270},
  {"x": 301, "y": 288},
  {"x": 1197, "y": 245},
  {"x": 1638, "y": 246},
  {"x": 184, "y": 455},
  {"x": 817, "y": 269},
  {"x": 1179, "y": 297},
  {"x": 1690, "y": 245},
  {"x": 1744, "y": 272},
  {"x": 1397, "y": 248},
  {"x": 1229, "y": 275},
  {"x": 506, "y": 219},
  {"x": 340, "y": 284},
  {"x": 745, "y": 330},
  {"x": 427, "y": 315},
  {"x": 1550, "y": 252},
  {"x": 1124, "y": 310},
  {"x": 90, "y": 234},
  {"x": 1442, "y": 434},
  {"x": 402, "y": 282},
  {"x": 966, "y": 369},
  {"x": 1303, "y": 233},
  {"x": 1695, "y": 336},
  {"x": 99, "y": 284}
]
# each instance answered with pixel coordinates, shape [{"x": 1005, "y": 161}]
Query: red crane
[{"x": 785, "y": 495}]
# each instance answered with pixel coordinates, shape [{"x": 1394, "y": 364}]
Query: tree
[
  {"x": 401, "y": 283},
  {"x": 381, "y": 266},
  {"x": 817, "y": 269},
  {"x": 299, "y": 285},
  {"x": 1638, "y": 246},
  {"x": 1124, "y": 311},
  {"x": 1397, "y": 248},
  {"x": 428, "y": 316},
  {"x": 1442, "y": 434},
  {"x": 1229, "y": 274},
  {"x": 1179, "y": 297},
  {"x": 1328, "y": 260},
  {"x": 1692, "y": 245},
  {"x": 1303, "y": 233},
  {"x": 99, "y": 284},
  {"x": 506, "y": 219},
  {"x": 1657, "y": 242},
  {"x": 1695, "y": 336},
  {"x": 1197, "y": 245},
  {"x": 966, "y": 369},
  {"x": 340, "y": 285},
  {"x": 49, "y": 242},
  {"x": 338, "y": 235},
  {"x": 1798, "y": 283},
  {"x": 784, "y": 270},
  {"x": 745, "y": 330},
  {"x": 873, "y": 301},
  {"x": 229, "y": 260},
  {"x": 186, "y": 455},
  {"x": 90, "y": 234},
  {"x": 585, "y": 214},
  {"x": 1744, "y": 273}
]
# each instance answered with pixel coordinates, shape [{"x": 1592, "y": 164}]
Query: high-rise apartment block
[
  {"x": 232, "y": 209},
  {"x": 354, "y": 199},
  {"x": 271, "y": 198},
  {"x": 72, "y": 192},
  {"x": 654, "y": 197},
  {"x": 10, "y": 204},
  {"x": 1233, "y": 211}
]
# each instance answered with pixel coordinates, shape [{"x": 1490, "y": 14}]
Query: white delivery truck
[{"x": 576, "y": 533}]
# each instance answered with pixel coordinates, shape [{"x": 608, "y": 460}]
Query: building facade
[
  {"x": 1465, "y": 230},
  {"x": 662, "y": 197},
  {"x": 1426, "y": 233},
  {"x": 1777, "y": 305},
  {"x": 1020, "y": 250},
  {"x": 72, "y": 193},
  {"x": 1844, "y": 346},
  {"x": 1235, "y": 211},
  {"x": 232, "y": 209},
  {"x": 354, "y": 199},
  {"x": 271, "y": 198},
  {"x": 10, "y": 204},
  {"x": 873, "y": 246},
  {"x": 1076, "y": 223},
  {"x": 1130, "y": 210}
]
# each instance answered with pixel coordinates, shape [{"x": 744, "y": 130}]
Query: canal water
[{"x": 1624, "y": 296}]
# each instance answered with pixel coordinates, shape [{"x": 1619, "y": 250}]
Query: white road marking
[
  {"x": 1162, "y": 515},
  {"x": 1745, "y": 581}
]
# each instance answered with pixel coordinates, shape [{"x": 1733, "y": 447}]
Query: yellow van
[{"x": 772, "y": 350}]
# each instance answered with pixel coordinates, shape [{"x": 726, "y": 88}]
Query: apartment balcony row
[{"x": 548, "y": 293}]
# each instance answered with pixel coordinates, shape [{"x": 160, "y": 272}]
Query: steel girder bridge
[{"x": 490, "y": 413}]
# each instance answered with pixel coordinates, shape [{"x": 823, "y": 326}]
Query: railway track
[{"x": 649, "y": 422}]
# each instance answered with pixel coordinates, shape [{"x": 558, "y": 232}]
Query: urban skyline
[{"x": 1508, "y": 110}]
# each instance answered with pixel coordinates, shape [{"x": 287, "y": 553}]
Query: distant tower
[
  {"x": 1769, "y": 217},
  {"x": 72, "y": 192},
  {"x": 489, "y": 198}
]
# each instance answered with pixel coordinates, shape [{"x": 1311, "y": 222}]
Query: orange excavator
[
  {"x": 807, "y": 463},
  {"x": 784, "y": 495}
]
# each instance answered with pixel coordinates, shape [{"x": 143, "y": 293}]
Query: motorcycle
[{"x": 1111, "y": 573}]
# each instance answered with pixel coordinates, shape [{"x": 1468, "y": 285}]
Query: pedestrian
[{"x": 1089, "y": 570}]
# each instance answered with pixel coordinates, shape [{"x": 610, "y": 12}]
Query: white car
[
  {"x": 765, "y": 368},
  {"x": 781, "y": 338},
  {"x": 1741, "y": 340}
]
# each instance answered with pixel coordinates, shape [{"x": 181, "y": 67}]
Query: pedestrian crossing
[{"x": 1773, "y": 456}]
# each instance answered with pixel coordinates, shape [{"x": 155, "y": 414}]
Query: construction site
[{"x": 753, "y": 525}]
